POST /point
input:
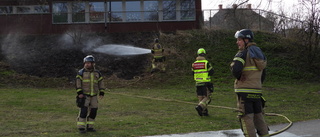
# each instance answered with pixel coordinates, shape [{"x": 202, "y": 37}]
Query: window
[
  {"x": 78, "y": 12},
  {"x": 24, "y": 9},
  {"x": 60, "y": 12},
  {"x": 30, "y": 9},
  {"x": 133, "y": 11},
  {"x": 151, "y": 10},
  {"x": 187, "y": 11},
  {"x": 96, "y": 10},
  {"x": 41, "y": 9},
  {"x": 116, "y": 11},
  {"x": 5, "y": 10},
  {"x": 169, "y": 10}
]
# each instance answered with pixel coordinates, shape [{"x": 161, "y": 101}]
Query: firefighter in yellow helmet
[
  {"x": 158, "y": 57},
  {"x": 202, "y": 72},
  {"x": 248, "y": 67},
  {"x": 89, "y": 85}
]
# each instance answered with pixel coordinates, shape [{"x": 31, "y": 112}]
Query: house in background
[
  {"x": 58, "y": 16},
  {"x": 238, "y": 18}
]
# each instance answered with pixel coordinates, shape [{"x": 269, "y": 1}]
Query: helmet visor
[
  {"x": 88, "y": 59},
  {"x": 239, "y": 35}
]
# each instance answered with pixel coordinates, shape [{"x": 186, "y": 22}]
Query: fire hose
[{"x": 224, "y": 107}]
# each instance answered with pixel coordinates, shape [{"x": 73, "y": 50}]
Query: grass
[
  {"x": 145, "y": 111},
  {"x": 163, "y": 103}
]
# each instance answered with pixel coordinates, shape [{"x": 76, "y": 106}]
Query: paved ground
[{"x": 309, "y": 128}]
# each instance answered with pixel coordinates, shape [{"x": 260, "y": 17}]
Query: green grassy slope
[
  {"x": 285, "y": 60},
  {"x": 149, "y": 104}
]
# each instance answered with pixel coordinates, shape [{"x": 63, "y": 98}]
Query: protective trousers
[
  {"x": 251, "y": 117},
  {"x": 158, "y": 64},
  {"x": 88, "y": 113},
  {"x": 204, "y": 97}
]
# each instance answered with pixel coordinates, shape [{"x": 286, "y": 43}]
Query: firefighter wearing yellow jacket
[
  {"x": 158, "y": 57},
  {"x": 89, "y": 85},
  {"x": 202, "y": 72},
  {"x": 248, "y": 67}
]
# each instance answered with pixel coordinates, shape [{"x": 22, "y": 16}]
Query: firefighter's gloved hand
[
  {"x": 263, "y": 101},
  {"x": 101, "y": 95},
  {"x": 80, "y": 101}
]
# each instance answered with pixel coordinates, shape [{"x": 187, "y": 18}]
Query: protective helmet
[
  {"x": 201, "y": 51},
  {"x": 156, "y": 40},
  {"x": 88, "y": 58},
  {"x": 245, "y": 34}
]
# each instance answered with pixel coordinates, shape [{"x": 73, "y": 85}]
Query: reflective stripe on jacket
[
  {"x": 157, "y": 50},
  {"x": 250, "y": 80},
  {"x": 89, "y": 82},
  {"x": 201, "y": 72}
]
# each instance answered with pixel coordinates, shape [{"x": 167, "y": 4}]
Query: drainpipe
[
  {"x": 105, "y": 15},
  {"x": 109, "y": 12}
]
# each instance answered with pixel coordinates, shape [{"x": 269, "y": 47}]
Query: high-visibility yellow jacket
[
  {"x": 157, "y": 50},
  {"x": 202, "y": 70},
  {"x": 89, "y": 82}
]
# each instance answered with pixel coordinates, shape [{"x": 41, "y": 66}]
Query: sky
[
  {"x": 269, "y": 5},
  {"x": 274, "y": 5}
]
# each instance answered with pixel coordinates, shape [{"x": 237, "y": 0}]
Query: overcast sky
[
  {"x": 275, "y": 5},
  {"x": 288, "y": 6}
]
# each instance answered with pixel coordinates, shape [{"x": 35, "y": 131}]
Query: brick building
[{"x": 57, "y": 16}]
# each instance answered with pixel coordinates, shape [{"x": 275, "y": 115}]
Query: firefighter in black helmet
[
  {"x": 248, "y": 68},
  {"x": 158, "y": 57},
  {"x": 89, "y": 85}
]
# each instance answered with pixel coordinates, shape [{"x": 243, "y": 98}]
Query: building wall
[{"x": 42, "y": 23}]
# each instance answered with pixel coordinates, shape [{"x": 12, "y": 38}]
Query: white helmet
[{"x": 89, "y": 58}]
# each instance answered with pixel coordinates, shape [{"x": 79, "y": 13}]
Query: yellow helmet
[{"x": 201, "y": 51}]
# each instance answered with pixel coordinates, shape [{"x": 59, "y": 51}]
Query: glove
[
  {"x": 80, "y": 101},
  {"x": 101, "y": 93},
  {"x": 263, "y": 100},
  {"x": 210, "y": 86}
]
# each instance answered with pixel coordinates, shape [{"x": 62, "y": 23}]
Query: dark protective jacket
[
  {"x": 248, "y": 66},
  {"x": 157, "y": 50},
  {"x": 89, "y": 82}
]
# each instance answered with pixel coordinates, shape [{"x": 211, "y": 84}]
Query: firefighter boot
[
  {"x": 82, "y": 130},
  {"x": 91, "y": 130},
  {"x": 205, "y": 112},
  {"x": 199, "y": 110}
]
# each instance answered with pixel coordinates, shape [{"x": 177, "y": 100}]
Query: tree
[{"x": 311, "y": 29}]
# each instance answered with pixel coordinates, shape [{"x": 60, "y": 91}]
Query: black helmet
[
  {"x": 156, "y": 40},
  {"x": 245, "y": 34},
  {"x": 89, "y": 58}
]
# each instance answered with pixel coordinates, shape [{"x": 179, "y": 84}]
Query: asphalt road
[{"x": 310, "y": 128}]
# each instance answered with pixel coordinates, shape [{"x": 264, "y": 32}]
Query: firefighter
[
  {"x": 158, "y": 57},
  {"x": 202, "y": 72},
  {"x": 89, "y": 85},
  {"x": 248, "y": 67}
]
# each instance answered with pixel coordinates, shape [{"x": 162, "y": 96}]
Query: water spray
[{"x": 121, "y": 50}]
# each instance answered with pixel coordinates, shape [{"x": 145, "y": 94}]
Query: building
[
  {"x": 236, "y": 18},
  {"x": 58, "y": 16}
]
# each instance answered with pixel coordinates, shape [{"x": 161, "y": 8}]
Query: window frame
[{"x": 122, "y": 12}]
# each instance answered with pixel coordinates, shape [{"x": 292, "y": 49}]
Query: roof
[{"x": 235, "y": 19}]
